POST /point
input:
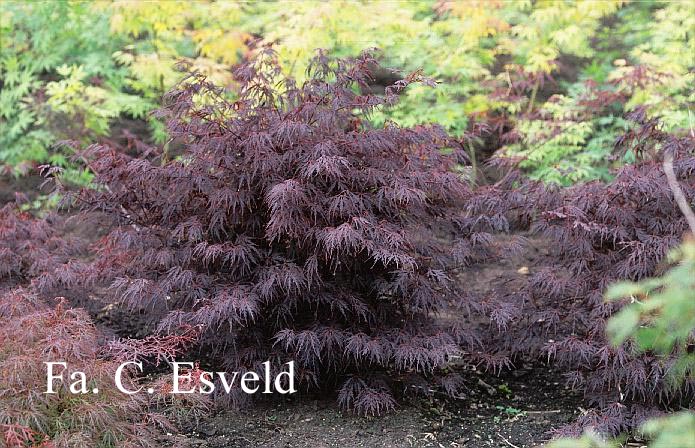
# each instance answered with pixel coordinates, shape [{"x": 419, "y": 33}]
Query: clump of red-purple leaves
[
  {"x": 30, "y": 246},
  {"x": 289, "y": 230},
  {"x": 597, "y": 234},
  {"x": 34, "y": 331}
]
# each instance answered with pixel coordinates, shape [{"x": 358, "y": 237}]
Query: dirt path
[{"x": 507, "y": 411}]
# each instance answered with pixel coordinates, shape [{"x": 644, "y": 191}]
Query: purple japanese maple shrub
[
  {"x": 288, "y": 229},
  {"x": 33, "y": 333},
  {"x": 598, "y": 234},
  {"x": 30, "y": 246}
]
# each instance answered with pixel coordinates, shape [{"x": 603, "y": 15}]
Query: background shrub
[
  {"x": 30, "y": 247},
  {"x": 81, "y": 70},
  {"x": 95, "y": 70},
  {"x": 600, "y": 234}
]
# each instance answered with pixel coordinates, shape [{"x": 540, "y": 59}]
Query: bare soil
[
  {"x": 513, "y": 410},
  {"x": 29, "y": 185}
]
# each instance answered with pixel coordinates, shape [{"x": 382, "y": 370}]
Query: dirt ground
[{"x": 514, "y": 410}]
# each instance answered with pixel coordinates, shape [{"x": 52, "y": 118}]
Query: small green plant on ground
[
  {"x": 677, "y": 430},
  {"x": 505, "y": 389},
  {"x": 509, "y": 413}
]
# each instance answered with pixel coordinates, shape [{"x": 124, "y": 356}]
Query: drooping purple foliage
[
  {"x": 598, "y": 234},
  {"x": 35, "y": 330},
  {"x": 30, "y": 246},
  {"x": 290, "y": 230}
]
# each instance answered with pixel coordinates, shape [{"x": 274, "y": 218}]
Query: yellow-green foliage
[
  {"x": 562, "y": 144},
  {"x": 544, "y": 30},
  {"x": 661, "y": 314},
  {"x": 669, "y": 49},
  {"x": 673, "y": 431},
  {"x": 435, "y": 37},
  {"x": 37, "y": 38},
  {"x": 559, "y": 143},
  {"x": 70, "y": 69},
  {"x": 205, "y": 34}
]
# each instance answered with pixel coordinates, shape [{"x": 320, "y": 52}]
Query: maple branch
[{"x": 678, "y": 193}]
